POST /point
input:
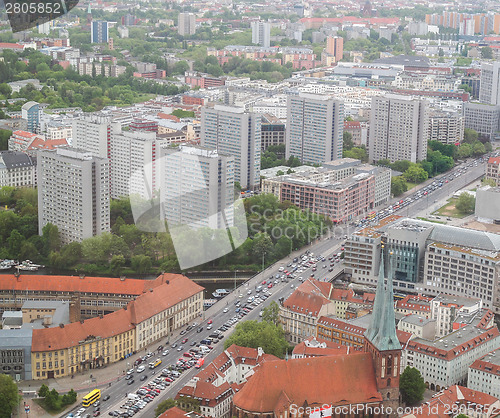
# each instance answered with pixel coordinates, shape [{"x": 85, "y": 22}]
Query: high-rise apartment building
[
  {"x": 99, "y": 32},
  {"x": 335, "y": 47},
  {"x": 30, "y": 111},
  {"x": 92, "y": 133},
  {"x": 483, "y": 118},
  {"x": 186, "y": 24},
  {"x": 198, "y": 187},
  {"x": 73, "y": 193},
  {"x": 261, "y": 34},
  {"x": 489, "y": 88},
  {"x": 399, "y": 128},
  {"x": 315, "y": 127},
  {"x": 236, "y": 132},
  {"x": 446, "y": 127}
]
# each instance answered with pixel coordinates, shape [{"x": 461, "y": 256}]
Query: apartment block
[
  {"x": 186, "y": 24},
  {"x": 92, "y": 133},
  {"x": 235, "y": 132},
  {"x": 315, "y": 128},
  {"x": 261, "y": 34},
  {"x": 484, "y": 374},
  {"x": 362, "y": 255},
  {"x": 489, "y": 88},
  {"x": 30, "y": 111},
  {"x": 493, "y": 170},
  {"x": 273, "y": 131},
  {"x": 335, "y": 47},
  {"x": 17, "y": 169},
  {"x": 414, "y": 305},
  {"x": 483, "y": 118},
  {"x": 419, "y": 326},
  {"x": 99, "y": 32},
  {"x": 73, "y": 193},
  {"x": 447, "y": 128},
  {"x": 198, "y": 187},
  {"x": 398, "y": 128}
]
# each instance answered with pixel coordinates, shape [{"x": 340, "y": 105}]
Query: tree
[
  {"x": 254, "y": 334},
  {"x": 398, "y": 186},
  {"x": 42, "y": 392},
  {"x": 9, "y": 397},
  {"x": 348, "y": 144},
  {"x": 415, "y": 174},
  {"x": 466, "y": 203},
  {"x": 53, "y": 400},
  {"x": 50, "y": 234},
  {"x": 401, "y": 165},
  {"x": 470, "y": 135},
  {"x": 271, "y": 313},
  {"x": 464, "y": 151},
  {"x": 488, "y": 182},
  {"x": 486, "y": 53},
  {"x": 164, "y": 405},
  {"x": 411, "y": 386}
]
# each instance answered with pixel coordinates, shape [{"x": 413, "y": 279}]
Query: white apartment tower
[
  {"x": 236, "y": 132},
  {"x": 489, "y": 88},
  {"x": 198, "y": 187},
  {"x": 261, "y": 34},
  {"x": 73, "y": 193},
  {"x": 315, "y": 128},
  {"x": 92, "y": 133},
  {"x": 399, "y": 128},
  {"x": 186, "y": 24}
]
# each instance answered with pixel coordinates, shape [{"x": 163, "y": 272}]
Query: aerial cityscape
[{"x": 250, "y": 210}]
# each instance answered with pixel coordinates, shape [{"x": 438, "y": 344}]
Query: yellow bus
[
  {"x": 371, "y": 215},
  {"x": 91, "y": 397},
  {"x": 154, "y": 364}
]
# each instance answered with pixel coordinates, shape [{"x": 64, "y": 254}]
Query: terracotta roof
[
  {"x": 173, "y": 413},
  {"x": 348, "y": 295},
  {"x": 353, "y": 19},
  {"x": 24, "y": 134},
  {"x": 494, "y": 160},
  {"x": 40, "y": 143},
  {"x": 176, "y": 289},
  {"x": 162, "y": 115},
  {"x": 459, "y": 397},
  {"x": 311, "y": 285},
  {"x": 351, "y": 380},
  {"x": 57, "y": 338},
  {"x": 74, "y": 284},
  {"x": 331, "y": 348},
  {"x": 6, "y": 45},
  {"x": 352, "y": 124},
  {"x": 305, "y": 303},
  {"x": 415, "y": 303}
]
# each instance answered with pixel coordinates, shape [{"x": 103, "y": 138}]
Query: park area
[{"x": 450, "y": 210}]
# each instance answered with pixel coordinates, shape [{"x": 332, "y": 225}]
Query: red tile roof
[
  {"x": 277, "y": 384},
  {"x": 74, "y": 284},
  {"x": 459, "y": 397},
  {"x": 305, "y": 303},
  {"x": 57, "y": 338},
  {"x": 352, "y": 19},
  {"x": 352, "y": 124},
  {"x": 415, "y": 303},
  {"x": 494, "y": 160},
  {"x": 40, "y": 143},
  {"x": 173, "y": 413},
  {"x": 6, "y": 45},
  {"x": 302, "y": 349}
]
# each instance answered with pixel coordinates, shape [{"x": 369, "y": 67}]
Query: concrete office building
[
  {"x": 335, "y": 47},
  {"x": 488, "y": 205},
  {"x": 315, "y": 128},
  {"x": 261, "y": 34},
  {"x": 198, "y": 187},
  {"x": 493, "y": 170},
  {"x": 484, "y": 374},
  {"x": 186, "y": 24},
  {"x": 483, "y": 118},
  {"x": 273, "y": 131},
  {"x": 445, "y": 127},
  {"x": 398, "y": 128},
  {"x": 31, "y": 113},
  {"x": 489, "y": 88},
  {"x": 73, "y": 193},
  {"x": 235, "y": 132},
  {"x": 99, "y": 32}
]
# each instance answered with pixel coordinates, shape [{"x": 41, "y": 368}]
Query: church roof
[{"x": 382, "y": 330}]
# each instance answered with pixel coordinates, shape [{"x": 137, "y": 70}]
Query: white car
[
  {"x": 140, "y": 369},
  {"x": 225, "y": 310},
  {"x": 209, "y": 326}
]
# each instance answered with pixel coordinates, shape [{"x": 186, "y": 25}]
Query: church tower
[
  {"x": 89, "y": 15},
  {"x": 382, "y": 342}
]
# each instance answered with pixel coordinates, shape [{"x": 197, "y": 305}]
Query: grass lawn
[
  {"x": 430, "y": 220},
  {"x": 410, "y": 185},
  {"x": 449, "y": 210},
  {"x": 41, "y": 402}
]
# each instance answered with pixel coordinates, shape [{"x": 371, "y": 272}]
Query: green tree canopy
[
  {"x": 9, "y": 397},
  {"x": 411, "y": 386},
  {"x": 271, "y": 313},
  {"x": 415, "y": 174},
  {"x": 256, "y": 334},
  {"x": 164, "y": 406},
  {"x": 466, "y": 203},
  {"x": 398, "y": 186}
]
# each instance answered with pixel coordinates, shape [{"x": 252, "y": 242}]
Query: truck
[{"x": 154, "y": 364}]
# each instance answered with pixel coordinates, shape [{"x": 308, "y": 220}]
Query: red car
[
  {"x": 188, "y": 355},
  {"x": 168, "y": 379},
  {"x": 209, "y": 321},
  {"x": 264, "y": 282},
  {"x": 184, "y": 341},
  {"x": 270, "y": 285}
]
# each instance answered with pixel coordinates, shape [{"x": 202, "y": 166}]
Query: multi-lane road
[{"x": 327, "y": 246}]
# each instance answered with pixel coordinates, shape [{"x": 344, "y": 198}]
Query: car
[
  {"x": 184, "y": 341},
  {"x": 209, "y": 327},
  {"x": 209, "y": 321},
  {"x": 174, "y": 345},
  {"x": 128, "y": 377},
  {"x": 183, "y": 332},
  {"x": 165, "y": 353},
  {"x": 180, "y": 348},
  {"x": 131, "y": 381},
  {"x": 106, "y": 397},
  {"x": 144, "y": 377},
  {"x": 199, "y": 329},
  {"x": 140, "y": 369},
  {"x": 193, "y": 344},
  {"x": 225, "y": 310},
  {"x": 97, "y": 413}
]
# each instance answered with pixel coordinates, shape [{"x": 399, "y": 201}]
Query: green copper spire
[
  {"x": 89, "y": 10},
  {"x": 382, "y": 330}
]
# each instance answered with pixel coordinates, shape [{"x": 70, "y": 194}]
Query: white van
[{"x": 133, "y": 396}]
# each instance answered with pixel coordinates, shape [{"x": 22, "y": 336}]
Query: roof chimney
[
  {"x": 61, "y": 325},
  {"x": 17, "y": 274},
  {"x": 82, "y": 276},
  {"x": 122, "y": 278}
]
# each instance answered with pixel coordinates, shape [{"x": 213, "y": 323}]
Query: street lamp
[
  {"x": 235, "y": 271},
  {"x": 263, "y": 255}
]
